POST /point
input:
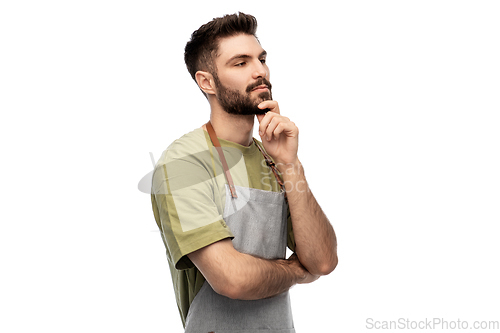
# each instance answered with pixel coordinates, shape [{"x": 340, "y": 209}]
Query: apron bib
[{"x": 258, "y": 221}]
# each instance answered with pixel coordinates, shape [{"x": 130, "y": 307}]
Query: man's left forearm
[{"x": 315, "y": 240}]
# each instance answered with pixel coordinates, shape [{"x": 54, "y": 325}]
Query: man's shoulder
[
  {"x": 185, "y": 162},
  {"x": 192, "y": 143}
]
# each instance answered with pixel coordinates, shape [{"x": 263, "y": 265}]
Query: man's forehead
[{"x": 239, "y": 44}]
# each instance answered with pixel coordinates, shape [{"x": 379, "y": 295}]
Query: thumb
[{"x": 260, "y": 117}]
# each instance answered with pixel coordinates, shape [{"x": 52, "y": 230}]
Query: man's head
[{"x": 226, "y": 60}]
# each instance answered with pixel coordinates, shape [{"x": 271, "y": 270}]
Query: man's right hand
[{"x": 308, "y": 277}]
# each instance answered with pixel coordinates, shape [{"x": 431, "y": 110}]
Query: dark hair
[{"x": 200, "y": 51}]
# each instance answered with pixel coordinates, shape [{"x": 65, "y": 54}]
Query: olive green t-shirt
[{"x": 188, "y": 197}]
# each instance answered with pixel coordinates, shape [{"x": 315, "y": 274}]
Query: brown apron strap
[
  {"x": 271, "y": 164},
  {"x": 216, "y": 143}
]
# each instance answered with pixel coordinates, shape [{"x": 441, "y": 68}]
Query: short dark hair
[{"x": 201, "y": 49}]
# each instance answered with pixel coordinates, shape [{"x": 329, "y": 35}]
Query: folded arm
[{"x": 242, "y": 276}]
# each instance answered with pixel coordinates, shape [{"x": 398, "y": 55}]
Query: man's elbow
[
  {"x": 328, "y": 266},
  {"x": 229, "y": 287},
  {"x": 229, "y": 291}
]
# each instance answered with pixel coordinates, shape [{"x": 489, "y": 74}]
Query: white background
[{"x": 398, "y": 107}]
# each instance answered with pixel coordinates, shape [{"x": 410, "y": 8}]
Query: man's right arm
[{"x": 242, "y": 276}]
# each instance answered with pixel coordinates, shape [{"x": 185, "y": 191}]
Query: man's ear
[{"x": 206, "y": 82}]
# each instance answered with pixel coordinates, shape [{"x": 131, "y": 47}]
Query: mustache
[{"x": 259, "y": 82}]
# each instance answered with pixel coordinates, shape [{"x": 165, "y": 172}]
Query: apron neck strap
[
  {"x": 271, "y": 164},
  {"x": 216, "y": 143},
  {"x": 269, "y": 161}
]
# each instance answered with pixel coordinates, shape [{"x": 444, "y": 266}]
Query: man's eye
[
  {"x": 240, "y": 64},
  {"x": 263, "y": 61}
]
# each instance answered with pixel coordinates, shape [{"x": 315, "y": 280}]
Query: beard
[{"x": 236, "y": 103}]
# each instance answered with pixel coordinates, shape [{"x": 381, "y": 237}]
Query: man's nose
[{"x": 260, "y": 70}]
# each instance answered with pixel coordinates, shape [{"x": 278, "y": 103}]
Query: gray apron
[{"x": 258, "y": 221}]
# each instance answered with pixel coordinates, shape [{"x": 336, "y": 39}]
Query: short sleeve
[{"x": 183, "y": 197}]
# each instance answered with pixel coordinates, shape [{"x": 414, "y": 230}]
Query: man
[{"x": 228, "y": 205}]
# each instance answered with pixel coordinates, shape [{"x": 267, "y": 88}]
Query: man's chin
[
  {"x": 253, "y": 111},
  {"x": 265, "y": 96},
  {"x": 261, "y": 111},
  {"x": 246, "y": 111},
  {"x": 246, "y": 107}
]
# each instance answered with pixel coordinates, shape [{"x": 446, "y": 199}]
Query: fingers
[
  {"x": 275, "y": 128},
  {"x": 273, "y": 109},
  {"x": 260, "y": 117},
  {"x": 272, "y": 125},
  {"x": 271, "y": 105}
]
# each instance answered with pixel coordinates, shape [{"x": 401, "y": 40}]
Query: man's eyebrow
[{"x": 245, "y": 56}]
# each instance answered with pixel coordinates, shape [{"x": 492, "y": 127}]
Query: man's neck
[{"x": 234, "y": 128}]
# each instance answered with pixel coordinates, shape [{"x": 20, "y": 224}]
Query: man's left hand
[{"x": 279, "y": 135}]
